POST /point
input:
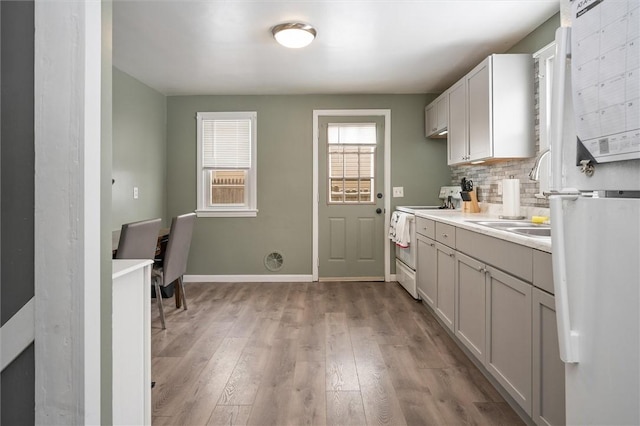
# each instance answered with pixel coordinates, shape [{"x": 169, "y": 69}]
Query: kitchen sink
[
  {"x": 502, "y": 223},
  {"x": 521, "y": 227},
  {"x": 532, "y": 232}
]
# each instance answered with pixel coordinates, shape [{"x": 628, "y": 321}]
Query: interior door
[{"x": 351, "y": 204}]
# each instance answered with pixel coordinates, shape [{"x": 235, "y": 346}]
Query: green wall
[
  {"x": 139, "y": 151},
  {"x": 237, "y": 246},
  {"x": 538, "y": 38}
]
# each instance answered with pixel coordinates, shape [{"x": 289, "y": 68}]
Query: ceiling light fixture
[{"x": 294, "y": 34}]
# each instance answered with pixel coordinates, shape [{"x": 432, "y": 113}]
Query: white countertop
[{"x": 462, "y": 220}]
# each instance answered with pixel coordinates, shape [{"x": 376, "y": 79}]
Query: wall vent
[{"x": 274, "y": 261}]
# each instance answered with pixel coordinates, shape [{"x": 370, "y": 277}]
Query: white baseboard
[
  {"x": 392, "y": 278},
  {"x": 247, "y": 278}
]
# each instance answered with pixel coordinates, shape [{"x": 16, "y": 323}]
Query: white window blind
[
  {"x": 226, "y": 143},
  {"x": 352, "y": 133}
]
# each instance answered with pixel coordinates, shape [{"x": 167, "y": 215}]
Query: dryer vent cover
[{"x": 274, "y": 261}]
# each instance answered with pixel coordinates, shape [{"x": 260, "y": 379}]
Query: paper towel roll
[{"x": 511, "y": 197}]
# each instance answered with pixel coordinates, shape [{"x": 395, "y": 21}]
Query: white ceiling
[{"x": 203, "y": 47}]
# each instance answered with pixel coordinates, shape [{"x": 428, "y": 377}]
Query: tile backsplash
[{"x": 487, "y": 178}]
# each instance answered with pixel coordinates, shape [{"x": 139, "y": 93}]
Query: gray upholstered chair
[
  {"x": 138, "y": 240},
  {"x": 174, "y": 263}
]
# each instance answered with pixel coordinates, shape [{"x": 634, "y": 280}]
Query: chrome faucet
[{"x": 534, "y": 174}]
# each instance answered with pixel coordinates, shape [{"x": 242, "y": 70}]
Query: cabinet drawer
[
  {"x": 542, "y": 271},
  {"x": 426, "y": 227},
  {"x": 446, "y": 234},
  {"x": 510, "y": 257}
]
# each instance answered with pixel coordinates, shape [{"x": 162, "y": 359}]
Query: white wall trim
[
  {"x": 17, "y": 333},
  {"x": 91, "y": 210},
  {"x": 386, "y": 113},
  {"x": 67, "y": 276},
  {"x": 247, "y": 278}
]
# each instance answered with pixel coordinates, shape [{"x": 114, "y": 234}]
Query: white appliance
[
  {"x": 595, "y": 210},
  {"x": 406, "y": 256}
]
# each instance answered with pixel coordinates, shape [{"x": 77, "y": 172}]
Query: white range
[{"x": 406, "y": 256}]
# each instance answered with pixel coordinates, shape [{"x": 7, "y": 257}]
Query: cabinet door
[
  {"x": 479, "y": 114},
  {"x": 426, "y": 270},
  {"x": 470, "y": 324},
  {"x": 445, "y": 300},
  {"x": 431, "y": 119},
  {"x": 508, "y": 353},
  {"x": 442, "y": 107},
  {"x": 548, "y": 368},
  {"x": 457, "y": 137}
]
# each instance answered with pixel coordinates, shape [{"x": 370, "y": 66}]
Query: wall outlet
[
  {"x": 135, "y": 192},
  {"x": 398, "y": 191}
]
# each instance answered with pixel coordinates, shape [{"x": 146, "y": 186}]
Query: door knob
[
  {"x": 379, "y": 195},
  {"x": 378, "y": 210}
]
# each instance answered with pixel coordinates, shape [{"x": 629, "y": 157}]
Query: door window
[{"x": 351, "y": 166}]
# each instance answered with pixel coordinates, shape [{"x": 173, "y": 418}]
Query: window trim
[{"x": 203, "y": 210}]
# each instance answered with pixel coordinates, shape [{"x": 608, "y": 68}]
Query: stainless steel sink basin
[
  {"x": 532, "y": 232},
  {"x": 502, "y": 223},
  {"x": 521, "y": 227}
]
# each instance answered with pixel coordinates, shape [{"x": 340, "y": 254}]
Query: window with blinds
[
  {"x": 351, "y": 162},
  {"x": 226, "y": 163}
]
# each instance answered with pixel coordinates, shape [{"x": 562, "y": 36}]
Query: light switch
[
  {"x": 135, "y": 192},
  {"x": 398, "y": 191}
]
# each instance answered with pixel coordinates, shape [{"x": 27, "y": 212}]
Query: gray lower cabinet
[
  {"x": 445, "y": 301},
  {"x": 481, "y": 289},
  {"x": 508, "y": 352},
  {"x": 427, "y": 270},
  {"x": 471, "y": 297},
  {"x": 548, "y": 369}
]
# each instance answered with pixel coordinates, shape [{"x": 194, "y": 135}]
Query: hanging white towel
[
  {"x": 392, "y": 225},
  {"x": 403, "y": 238}
]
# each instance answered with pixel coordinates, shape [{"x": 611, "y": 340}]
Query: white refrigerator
[{"x": 595, "y": 209}]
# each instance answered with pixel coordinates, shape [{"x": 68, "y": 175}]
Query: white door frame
[{"x": 386, "y": 113}]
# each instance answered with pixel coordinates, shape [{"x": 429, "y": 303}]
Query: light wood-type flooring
[{"x": 334, "y": 353}]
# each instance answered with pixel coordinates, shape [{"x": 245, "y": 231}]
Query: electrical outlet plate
[
  {"x": 446, "y": 191},
  {"x": 398, "y": 191}
]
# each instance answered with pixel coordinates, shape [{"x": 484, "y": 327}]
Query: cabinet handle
[
  {"x": 481, "y": 269},
  {"x": 450, "y": 254},
  {"x": 444, "y": 235},
  {"x": 432, "y": 244}
]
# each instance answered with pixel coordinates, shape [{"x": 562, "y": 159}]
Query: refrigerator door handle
[{"x": 567, "y": 338}]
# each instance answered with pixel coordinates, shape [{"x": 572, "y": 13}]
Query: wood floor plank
[
  {"x": 455, "y": 394},
  {"x": 345, "y": 408},
  {"x": 169, "y": 395},
  {"x": 341, "y": 371},
  {"x": 162, "y": 421},
  {"x": 200, "y": 399},
  {"x": 230, "y": 415},
  {"x": 417, "y": 401},
  {"x": 308, "y": 401},
  {"x": 497, "y": 413},
  {"x": 381, "y": 405},
  {"x": 242, "y": 386},
  {"x": 273, "y": 398}
]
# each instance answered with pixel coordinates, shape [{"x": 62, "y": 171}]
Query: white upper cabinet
[
  {"x": 491, "y": 111},
  {"x": 437, "y": 117}
]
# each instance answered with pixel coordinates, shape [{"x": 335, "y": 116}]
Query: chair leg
[
  {"x": 159, "y": 301},
  {"x": 184, "y": 296}
]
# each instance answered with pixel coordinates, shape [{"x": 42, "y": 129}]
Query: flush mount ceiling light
[{"x": 294, "y": 34}]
